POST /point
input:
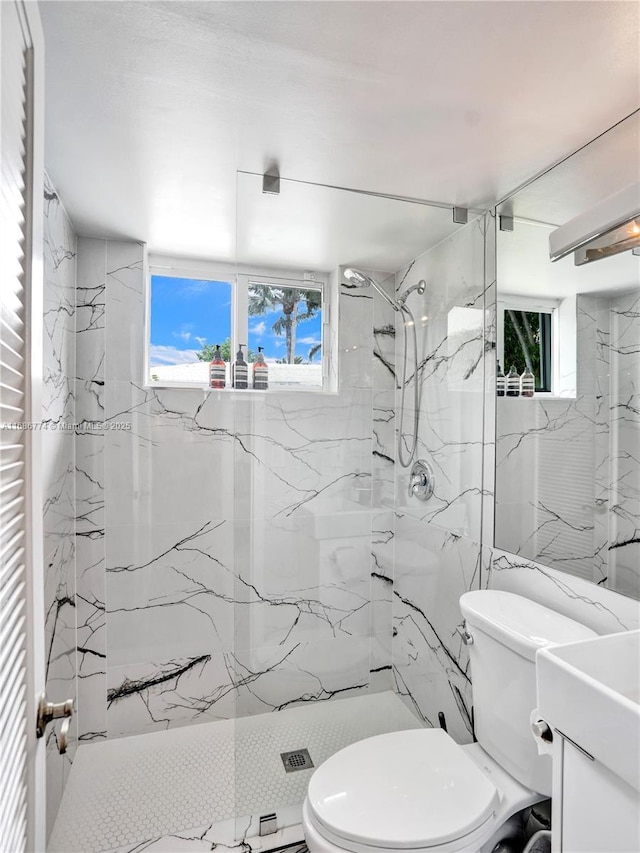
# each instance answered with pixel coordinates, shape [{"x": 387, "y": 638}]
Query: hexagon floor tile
[{"x": 139, "y": 789}]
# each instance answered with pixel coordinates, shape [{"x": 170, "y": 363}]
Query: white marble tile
[
  {"x": 57, "y": 477},
  {"x": 382, "y": 572},
  {"x": 567, "y": 484},
  {"x": 450, "y": 318},
  {"x": 124, "y": 310},
  {"x": 355, "y": 336},
  {"x": 90, "y": 322},
  {"x": 175, "y": 463},
  {"x": 271, "y": 679},
  {"x": 301, "y": 579},
  {"x": 433, "y": 568},
  {"x": 624, "y": 486},
  {"x": 170, "y": 590},
  {"x": 597, "y": 607},
  {"x": 545, "y": 492},
  {"x": 304, "y": 454},
  {"x": 148, "y": 697}
]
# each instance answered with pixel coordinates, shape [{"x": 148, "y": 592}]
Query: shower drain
[{"x": 298, "y": 759}]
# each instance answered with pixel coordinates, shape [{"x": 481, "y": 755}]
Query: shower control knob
[{"x": 421, "y": 480}]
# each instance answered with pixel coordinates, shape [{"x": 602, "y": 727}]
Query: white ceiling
[
  {"x": 321, "y": 228},
  {"x": 153, "y": 106},
  {"x": 524, "y": 267},
  {"x": 604, "y": 167}
]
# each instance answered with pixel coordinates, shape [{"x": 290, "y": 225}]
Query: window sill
[
  {"x": 543, "y": 395},
  {"x": 244, "y": 392}
]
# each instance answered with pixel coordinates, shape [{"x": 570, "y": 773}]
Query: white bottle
[
  {"x": 513, "y": 383},
  {"x": 527, "y": 384}
]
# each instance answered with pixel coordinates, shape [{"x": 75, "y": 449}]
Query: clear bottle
[
  {"x": 217, "y": 370},
  {"x": 513, "y": 382},
  {"x": 501, "y": 381},
  {"x": 240, "y": 370},
  {"x": 527, "y": 384},
  {"x": 260, "y": 372}
]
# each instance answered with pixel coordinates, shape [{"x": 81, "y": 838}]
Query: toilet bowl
[
  {"x": 375, "y": 796},
  {"x": 419, "y": 790}
]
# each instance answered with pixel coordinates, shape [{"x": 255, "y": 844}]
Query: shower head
[
  {"x": 360, "y": 279},
  {"x": 421, "y": 286}
]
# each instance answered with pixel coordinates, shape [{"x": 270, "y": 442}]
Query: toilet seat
[{"x": 408, "y": 790}]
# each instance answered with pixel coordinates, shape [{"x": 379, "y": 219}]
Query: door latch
[{"x": 48, "y": 711}]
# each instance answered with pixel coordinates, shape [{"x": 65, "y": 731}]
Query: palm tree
[
  {"x": 314, "y": 351},
  {"x": 265, "y": 297},
  {"x": 206, "y": 353}
]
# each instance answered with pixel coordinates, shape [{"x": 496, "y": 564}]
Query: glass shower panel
[{"x": 314, "y": 498}]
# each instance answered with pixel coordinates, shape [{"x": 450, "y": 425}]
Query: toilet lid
[{"x": 406, "y": 789}]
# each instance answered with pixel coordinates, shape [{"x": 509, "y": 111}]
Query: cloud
[
  {"x": 201, "y": 341},
  {"x": 259, "y": 328},
  {"x": 183, "y": 335},
  {"x": 160, "y": 354},
  {"x": 309, "y": 340}
]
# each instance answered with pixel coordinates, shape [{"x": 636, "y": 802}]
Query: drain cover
[{"x": 298, "y": 759}]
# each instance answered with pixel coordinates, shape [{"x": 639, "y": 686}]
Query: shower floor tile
[{"x": 126, "y": 793}]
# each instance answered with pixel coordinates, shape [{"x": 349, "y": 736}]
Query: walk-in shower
[{"x": 358, "y": 278}]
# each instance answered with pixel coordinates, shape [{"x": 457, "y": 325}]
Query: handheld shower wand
[{"x": 357, "y": 278}]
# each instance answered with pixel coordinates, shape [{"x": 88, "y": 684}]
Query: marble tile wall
[
  {"x": 224, "y": 541},
  {"x": 58, "y": 401},
  {"x": 599, "y": 608},
  {"x": 550, "y": 507},
  {"x": 438, "y": 553},
  {"x": 624, "y": 450}
]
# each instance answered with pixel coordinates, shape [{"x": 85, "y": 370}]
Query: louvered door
[{"x": 21, "y": 614}]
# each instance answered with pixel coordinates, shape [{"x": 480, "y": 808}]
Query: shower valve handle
[{"x": 421, "y": 480}]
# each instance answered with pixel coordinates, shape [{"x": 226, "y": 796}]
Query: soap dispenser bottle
[
  {"x": 217, "y": 370},
  {"x": 527, "y": 383},
  {"x": 501, "y": 381},
  {"x": 240, "y": 370},
  {"x": 513, "y": 382},
  {"x": 260, "y": 372}
]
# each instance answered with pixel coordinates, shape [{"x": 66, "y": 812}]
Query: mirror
[{"x": 568, "y": 457}]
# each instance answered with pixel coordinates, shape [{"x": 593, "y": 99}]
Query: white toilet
[{"x": 418, "y": 790}]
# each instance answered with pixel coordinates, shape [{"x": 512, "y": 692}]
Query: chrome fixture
[
  {"x": 298, "y": 759},
  {"x": 360, "y": 279},
  {"x": 49, "y": 711},
  {"x": 421, "y": 480},
  {"x": 357, "y": 278},
  {"x": 460, "y": 215},
  {"x": 268, "y": 824},
  {"x": 421, "y": 286},
  {"x": 506, "y": 223},
  {"x": 271, "y": 183},
  {"x": 542, "y": 730},
  {"x": 467, "y": 638},
  {"x": 611, "y": 227}
]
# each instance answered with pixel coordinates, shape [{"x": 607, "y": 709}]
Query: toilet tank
[{"x": 507, "y": 630}]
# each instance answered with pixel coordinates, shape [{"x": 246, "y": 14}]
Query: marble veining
[
  {"x": 437, "y": 552},
  {"x": 568, "y": 488},
  {"x": 58, "y": 485}
]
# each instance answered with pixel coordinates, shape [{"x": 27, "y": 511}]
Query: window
[
  {"x": 527, "y": 344},
  {"x": 193, "y": 310},
  {"x": 528, "y": 339}
]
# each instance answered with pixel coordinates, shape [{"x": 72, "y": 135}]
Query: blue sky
[{"x": 186, "y": 314}]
